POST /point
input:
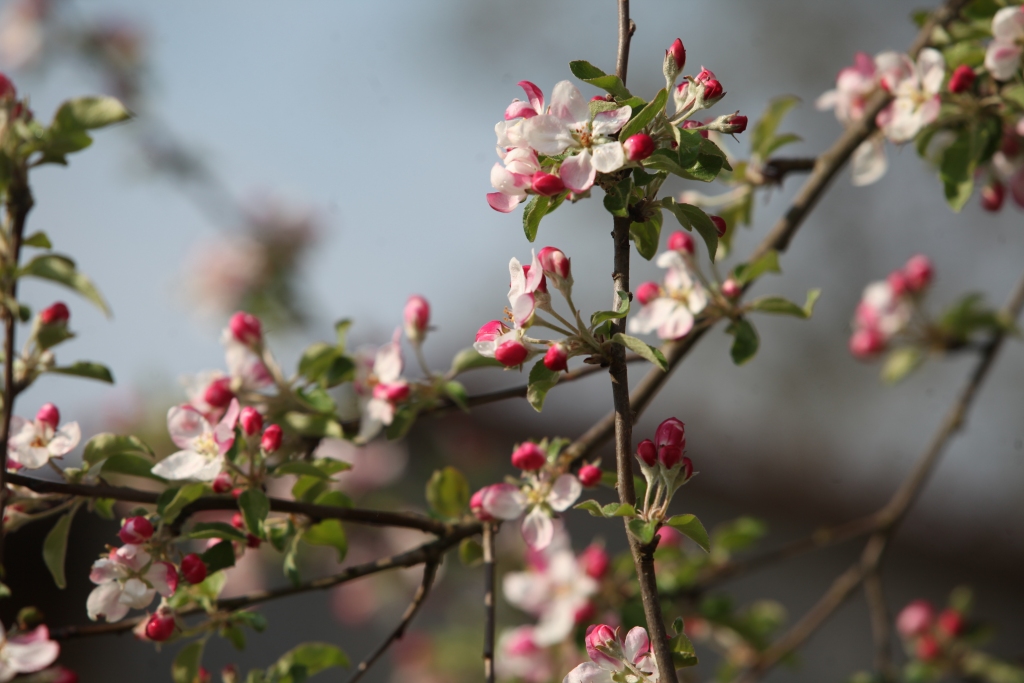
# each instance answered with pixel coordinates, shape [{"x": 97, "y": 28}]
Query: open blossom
[
  {"x": 26, "y": 653},
  {"x": 672, "y": 312},
  {"x": 245, "y": 367},
  {"x": 34, "y": 442},
  {"x": 521, "y": 658},
  {"x": 915, "y": 87},
  {"x": 380, "y": 386},
  {"x": 21, "y": 35},
  {"x": 128, "y": 578},
  {"x": 609, "y": 656},
  {"x": 887, "y": 306},
  {"x": 513, "y": 179},
  {"x": 527, "y": 291},
  {"x": 853, "y": 86},
  {"x": 202, "y": 445},
  {"x": 1002, "y": 58},
  {"x": 539, "y": 499}
]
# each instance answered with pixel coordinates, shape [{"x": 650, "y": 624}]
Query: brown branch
[
  {"x": 429, "y": 572},
  {"x": 775, "y": 170},
  {"x": 427, "y": 553},
  {"x": 489, "y": 602},
  {"x": 880, "y": 630}
]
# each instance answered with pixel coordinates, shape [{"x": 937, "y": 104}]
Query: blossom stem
[
  {"x": 418, "y": 350},
  {"x": 537, "y": 320},
  {"x": 560, "y": 319}
]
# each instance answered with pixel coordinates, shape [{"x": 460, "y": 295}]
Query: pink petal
[
  {"x": 568, "y": 104},
  {"x": 578, "y": 172},
  {"x": 534, "y": 95},
  {"x": 502, "y": 202},
  {"x": 503, "y": 501},
  {"x": 537, "y": 529},
  {"x": 636, "y": 644},
  {"x": 185, "y": 423},
  {"x": 519, "y": 109}
]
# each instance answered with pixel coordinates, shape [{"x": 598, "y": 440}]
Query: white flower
[
  {"x": 869, "y": 161},
  {"x": 916, "y": 91},
  {"x": 21, "y": 36},
  {"x": 246, "y": 368},
  {"x": 513, "y": 179},
  {"x": 1002, "y": 58},
  {"x": 203, "y": 445},
  {"x": 636, "y": 652},
  {"x": 126, "y": 579},
  {"x": 672, "y": 315},
  {"x": 380, "y": 386},
  {"x": 853, "y": 86},
  {"x": 26, "y": 653},
  {"x": 539, "y": 499},
  {"x": 34, "y": 442},
  {"x": 882, "y": 309}
]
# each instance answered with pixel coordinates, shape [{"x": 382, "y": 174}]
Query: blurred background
[{"x": 321, "y": 160}]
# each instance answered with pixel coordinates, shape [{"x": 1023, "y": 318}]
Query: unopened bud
[
  {"x": 136, "y": 530},
  {"x": 589, "y": 475},
  {"x": 554, "y": 260},
  {"x": 392, "y": 392},
  {"x": 915, "y": 619},
  {"x": 546, "y": 184},
  {"x": 695, "y": 124},
  {"x": 222, "y": 483},
  {"x": 529, "y": 457},
  {"x": 712, "y": 87},
  {"x": 271, "y": 440},
  {"x": 511, "y": 353},
  {"x": 246, "y": 328},
  {"x": 476, "y": 506},
  {"x": 595, "y": 561},
  {"x": 918, "y": 272},
  {"x": 647, "y": 453},
  {"x": 252, "y": 541},
  {"x": 669, "y": 456},
  {"x": 992, "y": 196},
  {"x": 556, "y": 358},
  {"x": 671, "y": 432},
  {"x": 950, "y": 622},
  {"x": 720, "y": 225},
  {"x": 678, "y": 54},
  {"x": 417, "y": 317},
  {"x": 219, "y": 393},
  {"x": 729, "y": 124},
  {"x": 866, "y": 342},
  {"x": 160, "y": 626},
  {"x": 648, "y": 292},
  {"x": 731, "y": 289},
  {"x": 962, "y": 79},
  {"x": 251, "y": 421},
  {"x": 681, "y": 241},
  {"x": 638, "y": 147},
  {"x": 603, "y": 645},
  {"x": 687, "y": 469},
  {"x": 55, "y": 314},
  {"x": 48, "y": 415},
  {"x": 237, "y": 521},
  {"x": 928, "y": 648},
  {"x": 193, "y": 568}
]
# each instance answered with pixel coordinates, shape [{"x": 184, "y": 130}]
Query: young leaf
[
  {"x": 588, "y": 73},
  {"x": 313, "y": 425},
  {"x": 642, "y": 349},
  {"x": 748, "y": 272},
  {"x": 102, "y": 446},
  {"x": 87, "y": 369},
  {"x": 182, "y": 497},
  {"x": 448, "y": 492},
  {"x": 38, "y": 240},
  {"x": 691, "y": 217},
  {"x": 55, "y": 546},
  {"x": 186, "y": 665},
  {"x": 62, "y": 270},
  {"x": 87, "y": 113},
  {"x": 781, "y": 306},
  {"x": 616, "y": 200},
  {"x": 535, "y": 210},
  {"x": 468, "y": 359},
  {"x": 763, "y": 140},
  {"x": 458, "y": 395},
  {"x": 255, "y": 507},
  {"x": 646, "y": 236},
  {"x": 683, "y": 654},
  {"x": 618, "y": 510},
  {"x": 691, "y": 527},
  {"x": 745, "y": 342},
  {"x": 644, "y": 531},
  {"x": 591, "y": 506},
  {"x": 216, "y": 530},
  {"x": 311, "y": 657},
  {"x": 316, "y": 360},
  {"x": 645, "y": 116},
  {"x": 131, "y": 464},
  {"x": 601, "y": 316},
  {"x": 219, "y": 556},
  {"x": 540, "y": 383},
  {"x": 901, "y": 362},
  {"x": 470, "y": 552},
  {"x": 329, "y": 532}
]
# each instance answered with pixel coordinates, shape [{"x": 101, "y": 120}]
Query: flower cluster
[
  {"x": 926, "y": 634},
  {"x": 887, "y": 307},
  {"x": 664, "y": 466},
  {"x": 669, "y": 309},
  {"x": 34, "y": 442},
  {"x": 1005, "y": 170},
  {"x": 612, "y": 656}
]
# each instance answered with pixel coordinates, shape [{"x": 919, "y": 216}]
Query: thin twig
[
  {"x": 489, "y": 601},
  {"x": 880, "y": 631},
  {"x": 429, "y": 572}
]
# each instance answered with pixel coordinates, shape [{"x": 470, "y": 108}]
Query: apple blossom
[
  {"x": 520, "y": 658},
  {"x": 26, "y": 652},
  {"x": 675, "y": 60},
  {"x": 729, "y": 124},
  {"x": 218, "y": 394},
  {"x": 962, "y": 79},
  {"x": 193, "y": 569},
  {"x": 928, "y": 648},
  {"x": 546, "y": 184},
  {"x": 853, "y": 86},
  {"x": 918, "y": 272},
  {"x": 1002, "y": 58},
  {"x": 589, "y": 475},
  {"x": 688, "y": 125},
  {"x": 681, "y": 241},
  {"x": 915, "y": 619},
  {"x": 33, "y": 443},
  {"x": 379, "y": 385},
  {"x": 672, "y": 313},
  {"x": 271, "y": 440},
  {"x": 555, "y": 262},
  {"x": 54, "y": 314},
  {"x": 250, "y": 420},
  {"x": 603, "y": 647},
  {"x": 915, "y": 88},
  {"x": 128, "y": 578},
  {"x": 246, "y": 328},
  {"x": 416, "y": 316},
  {"x": 245, "y": 366},
  {"x": 160, "y": 626},
  {"x": 512, "y": 179},
  {"x": 136, "y": 530},
  {"x": 529, "y": 457},
  {"x": 609, "y": 655},
  {"x": 866, "y": 342},
  {"x": 556, "y": 358},
  {"x": 222, "y": 483},
  {"x": 638, "y": 147},
  {"x": 595, "y": 561},
  {"x": 542, "y": 495},
  {"x": 670, "y": 440},
  {"x": 883, "y": 312},
  {"x": 202, "y": 445},
  {"x": 647, "y": 453}
]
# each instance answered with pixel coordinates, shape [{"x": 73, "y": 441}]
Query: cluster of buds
[
  {"x": 613, "y": 658},
  {"x": 927, "y": 635},
  {"x": 34, "y": 442},
  {"x": 664, "y": 466},
  {"x": 696, "y": 93},
  {"x": 669, "y": 309},
  {"x": 887, "y": 307}
]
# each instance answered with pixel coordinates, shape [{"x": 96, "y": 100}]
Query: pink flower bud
[
  {"x": 48, "y": 415},
  {"x": 950, "y": 622},
  {"x": 647, "y": 453},
  {"x": 136, "y": 530},
  {"x": 915, "y": 619},
  {"x": 491, "y": 331},
  {"x": 866, "y": 342},
  {"x": 393, "y": 392},
  {"x": 554, "y": 260},
  {"x": 671, "y": 432},
  {"x": 7, "y": 90},
  {"x": 542, "y": 288},
  {"x": 962, "y": 79},
  {"x": 219, "y": 393},
  {"x": 271, "y": 440},
  {"x": 681, "y": 241},
  {"x": 417, "y": 318},
  {"x": 193, "y": 568},
  {"x": 56, "y": 313},
  {"x": 602, "y": 98},
  {"x": 919, "y": 272},
  {"x": 546, "y": 184},
  {"x": 556, "y": 358},
  {"x": 992, "y": 196},
  {"x": 648, "y": 292},
  {"x": 735, "y": 123},
  {"x": 589, "y": 475},
  {"x": 731, "y": 289},
  {"x": 603, "y": 646},
  {"x": 720, "y": 225},
  {"x": 529, "y": 457},
  {"x": 669, "y": 456},
  {"x": 237, "y": 521},
  {"x": 222, "y": 483},
  {"x": 712, "y": 88},
  {"x": 252, "y": 541},
  {"x": 669, "y": 537},
  {"x": 678, "y": 53},
  {"x": 638, "y": 147},
  {"x": 251, "y": 421},
  {"x": 928, "y": 648},
  {"x": 595, "y": 561},
  {"x": 897, "y": 282},
  {"x": 246, "y": 328},
  {"x": 511, "y": 353},
  {"x": 476, "y": 506},
  {"x": 160, "y": 626},
  {"x": 694, "y": 124},
  {"x": 687, "y": 469}
]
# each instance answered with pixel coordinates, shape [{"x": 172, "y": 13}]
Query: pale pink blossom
[
  {"x": 21, "y": 34},
  {"x": 869, "y": 161},
  {"x": 380, "y": 386},
  {"x": 26, "y": 652},
  {"x": 633, "y": 654},
  {"x": 202, "y": 445},
  {"x": 246, "y": 368},
  {"x": 513, "y": 179},
  {"x": 521, "y": 658},
  {"x": 34, "y": 442},
  {"x": 539, "y": 498},
  {"x": 915, "y": 88},
  {"x": 671, "y": 313},
  {"x": 1002, "y": 58},
  {"x": 853, "y": 86},
  {"x": 128, "y": 578}
]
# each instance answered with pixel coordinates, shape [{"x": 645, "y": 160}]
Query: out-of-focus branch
[
  {"x": 880, "y": 630},
  {"x": 489, "y": 602}
]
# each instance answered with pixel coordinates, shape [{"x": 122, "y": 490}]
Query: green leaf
[
  {"x": 691, "y": 217},
  {"x": 642, "y": 349},
  {"x": 87, "y": 113},
  {"x": 469, "y": 359},
  {"x": 290, "y": 565},
  {"x": 901, "y": 362},
  {"x": 745, "y": 342},
  {"x": 748, "y": 272},
  {"x": 540, "y": 383},
  {"x": 448, "y": 492},
  {"x": 49, "y": 336},
  {"x": 55, "y": 546},
  {"x": 131, "y": 464},
  {"x": 470, "y": 552},
  {"x": 316, "y": 360},
  {"x": 334, "y": 499},
  {"x": 535, "y": 210},
  {"x": 762, "y": 138},
  {"x": 61, "y": 270},
  {"x": 329, "y": 532},
  {"x": 341, "y": 332},
  {"x": 969, "y": 315},
  {"x": 405, "y": 418},
  {"x": 683, "y": 654},
  {"x": 645, "y": 116},
  {"x": 87, "y": 369},
  {"x": 342, "y": 369},
  {"x": 317, "y": 399},
  {"x": 301, "y": 467},
  {"x": 255, "y": 507},
  {"x": 102, "y": 446},
  {"x": 104, "y": 507},
  {"x": 312, "y": 658},
  {"x": 646, "y": 236},
  {"x": 185, "y": 495},
  {"x": 588, "y": 73},
  {"x": 38, "y": 240},
  {"x": 313, "y": 425},
  {"x": 458, "y": 395},
  {"x": 591, "y": 506},
  {"x": 186, "y": 664},
  {"x": 601, "y": 316},
  {"x": 644, "y": 531},
  {"x": 616, "y": 199},
  {"x": 216, "y": 530},
  {"x": 690, "y": 526},
  {"x": 738, "y": 534},
  {"x": 618, "y": 510},
  {"x": 781, "y": 306}
]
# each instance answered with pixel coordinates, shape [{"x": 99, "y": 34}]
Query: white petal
[
  {"x": 537, "y": 529},
  {"x": 181, "y": 465},
  {"x": 564, "y": 492},
  {"x": 105, "y": 570},
  {"x": 387, "y": 365},
  {"x": 161, "y": 575},
  {"x": 1002, "y": 59},
  {"x": 578, "y": 172},
  {"x": 536, "y": 275},
  {"x": 1008, "y": 24},
  {"x": 517, "y": 279},
  {"x": 547, "y": 134},
  {"x": 931, "y": 69},
  {"x": 671, "y": 259},
  {"x": 65, "y": 440},
  {"x": 504, "y": 501},
  {"x": 522, "y": 309},
  {"x": 184, "y": 424},
  {"x": 651, "y": 316},
  {"x": 611, "y": 122},
  {"x": 31, "y": 457},
  {"x": 529, "y": 591},
  {"x": 636, "y": 643},
  {"x": 504, "y": 181},
  {"x": 588, "y": 672},
  {"x": 135, "y": 593},
  {"x": 104, "y": 601},
  {"x": 568, "y": 104},
  {"x": 31, "y": 652},
  {"x": 485, "y": 348},
  {"x": 869, "y": 162},
  {"x": 608, "y": 157},
  {"x": 557, "y": 621},
  {"x": 678, "y": 323},
  {"x": 827, "y": 100}
]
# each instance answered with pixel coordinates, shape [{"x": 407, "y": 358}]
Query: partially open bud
[
  {"x": 720, "y": 225},
  {"x": 193, "y": 568},
  {"x": 57, "y": 313},
  {"x": 511, "y": 353},
  {"x": 694, "y": 124},
  {"x": 731, "y": 289},
  {"x": 219, "y": 393},
  {"x": 476, "y": 506},
  {"x": 915, "y": 619},
  {"x": 589, "y": 475},
  {"x": 246, "y": 328},
  {"x": 638, "y": 147},
  {"x": 712, "y": 88},
  {"x": 136, "y": 530},
  {"x": 729, "y": 124},
  {"x": 491, "y": 331},
  {"x": 595, "y": 561},
  {"x": 603, "y": 646},
  {"x": 7, "y": 90},
  {"x": 271, "y": 440},
  {"x": 392, "y": 392},
  {"x": 919, "y": 272},
  {"x": 648, "y": 292},
  {"x": 554, "y": 260},
  {"x": 992, "y": 196},
  {"x": 48, "y": 415},
  {"x": 647, "y": 453},
  {"x": 222, "y": 483},
  {"x": 866, "y": 342},
  {"x": 556, "y": 359},
  {"x": 675, "y": 59},
  {"x": 251, "y": 421},
  {"x": 962, "y": 79},
  {"x": 417, "y": 317},
  {"x": 681, "y": 241},
  {"x": 160, "y": 626},
  {"x": 546, "y": 184},
  {"x": 529, "y": 457}
]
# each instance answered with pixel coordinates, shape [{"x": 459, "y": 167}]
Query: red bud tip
[
  {"x": 252, "y": 541},
  {"x": 951, "y": 623},
  {"x": 638, "y": 147},
  {"x": 49, "y": 415},
  {"x": 222, "y": 483},
  {"x": 546, "y": 184},
  {"x": 962, "y": 79},
  {"x": 476, "y": 506},
  {"x": 602, "y": 98},
  {"x": 681, "y": 241},
  {"x": 589, "y": 475},
  {"x": 136, "y": 530},
  {"x": 731, "y": 289},
  {"x": 251, "y": 421},
  {"x": 511, "y": 353},
  {"x": 992, "y": 196},
  {"x": 193, "y": 568},
  {"x": 928, "y": 648},
  {"x": 737, "y": 123},
  {"x": 720, "y": 225},
  {"x": 556, "y": 358},
  {"x": 866, "y": 342},
  {"x": 915, "y": 619},
  {"x": 219, "y": 394},
  {"x": 271, "y": 440},
  {"x": 237, "y": 521},
  {"x": 595, "y": 561},
  {"x": 246, "y": 328},
  {"x": 529, "y": 457},
  {"x": 417, "y": 317},
  {"x": 647, "y": 453},
  {"x": 918, "y": 272},
  {"x": 56, "y": 313},
  {"x": 7, "y": 90},
  {"x": 160, "y": 626},
  {"x": 678, "y": 53},
  {"x": 648, "y": 292},
  {"x": 554, "y": 261}
]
